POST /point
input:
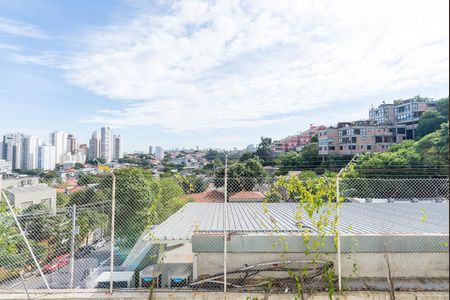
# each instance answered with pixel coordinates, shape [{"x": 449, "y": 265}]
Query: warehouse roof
[{"x": 269, "y": 218}]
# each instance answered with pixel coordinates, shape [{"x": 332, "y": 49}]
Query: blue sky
[{"x": 206, "y": 73}]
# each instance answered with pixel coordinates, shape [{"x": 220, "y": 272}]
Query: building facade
[
  {"x": 350, "y": 138},
  {"x": 94, "y": 146},
  {"x": 402, "y": 112},
  {"x": 296, "y": 142},
  {"x": 46, "y": 158},
  {"x": 58, "y": 139},
  {"x": 106, "y": 151},
  {"x": 25, "y": 196},
  {"x": 29, "y": 152},
  {"x": 159, "y": 153},
  {"x": 11, "y": 149},
  {"x": 72, "y": 143},
  {"x": 117, "y": 147}
]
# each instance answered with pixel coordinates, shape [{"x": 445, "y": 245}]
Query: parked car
[
  {"x": 83, "y": 251},
  {"x": 57, "y": 263},
  {"x": 97, "y": 244}
]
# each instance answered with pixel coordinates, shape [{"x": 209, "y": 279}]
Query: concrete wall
[
  {"x": 145, "y": 295},
  {"x": 405, "y": 265}
]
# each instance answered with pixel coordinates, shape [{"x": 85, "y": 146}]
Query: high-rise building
[
  {"x": 58, "y": 139},
  {"x": 106, "y": 150},
  {"x": 117, "y": 149},
  {"x": 94, "y": 146},
  {"x": 150, "y": 150},
  {"x": 84, "y": 150},
  {"x": 159, "y": 153},
  {"x": 72, "y": 143},
  {"x": 29, "y": 152},
  {"x": 12, "y": 149},
  {"x": 46, "y": 157}
]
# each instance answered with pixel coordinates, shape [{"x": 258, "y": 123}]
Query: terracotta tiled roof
[
  {"x": 247, "y": 196},
  {"x": 207, "y": 196}
]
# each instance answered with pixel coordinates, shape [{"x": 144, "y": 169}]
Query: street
[{"x": 60, "y": 279}]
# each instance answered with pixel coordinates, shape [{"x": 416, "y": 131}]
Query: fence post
[
  {"x": 26, "y": 241},
  {"x": 113, "y": 212},
  {"x": 72, "y": 244},
  {"x": 225, "y": 227},
  {"x": 338, "y": 212}
]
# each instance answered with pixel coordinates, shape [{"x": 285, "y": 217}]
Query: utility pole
[
  {"x": 72, "y": 244},
  {"x": 113, "y": 224},
  {"x": 225, "y": 226}
]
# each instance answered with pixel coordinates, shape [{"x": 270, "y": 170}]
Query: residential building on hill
[
  {"x": 296, "y": 142},
  {"x": 350, "y": 138},
  {"x": 402, "y": 112}
]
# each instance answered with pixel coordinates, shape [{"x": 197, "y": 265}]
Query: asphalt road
[{"x": 60, "y": 279}]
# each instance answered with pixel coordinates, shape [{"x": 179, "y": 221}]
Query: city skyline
[
  {"x": 21, "y": 151},
  {"x": 222, "y": 79}
]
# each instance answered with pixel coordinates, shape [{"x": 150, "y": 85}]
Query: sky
[{"x": 213, "y": 73}]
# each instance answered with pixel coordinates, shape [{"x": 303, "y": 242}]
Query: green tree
[
  {"x": 442, "y": 107},
  {"x": 429, "y": 122},
  {"x": 307, "y": 159},
  {"x": 90, "y": 219},
  {"x": 213, "y": 155},
  {"x": 96, "y": 161},
  {"x": 78, "y": 166},
  {"x": 264, "y": 151},
  {"x": 86, "y": 179},
  {"x": 141, "y": 201},
  {"x": 246, "y": 156},
  {"x": 43, "y": 226},
  {"x": 433, "y": 148},
  {"x": 50, "y": 177},
  {"x": 193, "y": 184},
  {"x": 62, "y": 200},
  {"x": 242, "y": 176}
]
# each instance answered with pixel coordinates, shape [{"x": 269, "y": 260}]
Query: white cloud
[
  {"x": 233, "y": 64},
  {"x": 20, "y": 28},
  {"x": 9, "y": 47}
]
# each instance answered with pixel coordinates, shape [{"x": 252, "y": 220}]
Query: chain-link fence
[{"x": 283, "y": 234}]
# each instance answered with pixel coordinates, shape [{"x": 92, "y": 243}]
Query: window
[
  {"x": 340, "y": 147},
  {"x": 331, "y": 148},
  {"x": 378, "y": 139},
  {"x": 401, "y": 131},
  {"x": 369, "y": 147},
  {"x": 362, "y": 147},
  {"x": 353, "y": 139},
  {"x": 357, "y": 131}
]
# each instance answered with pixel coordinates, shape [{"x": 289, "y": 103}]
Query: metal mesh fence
[{"x": 284, "y": 234}]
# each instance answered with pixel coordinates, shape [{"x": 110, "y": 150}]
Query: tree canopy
[
  {"x": 264, "y": 151},
  {"x": 429, "y": 122}
]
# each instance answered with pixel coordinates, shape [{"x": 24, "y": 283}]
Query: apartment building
[
  {"x": 350, "y": 138},
  {"x": 296, "y": 142},
  {"x": 402, "y": 112}
]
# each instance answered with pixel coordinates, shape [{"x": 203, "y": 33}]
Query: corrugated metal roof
[{"x": 266, "y": 218}]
